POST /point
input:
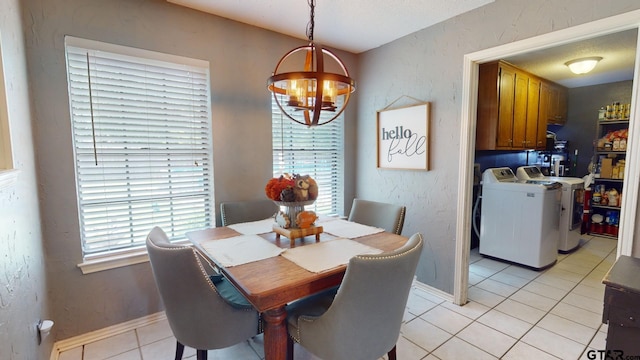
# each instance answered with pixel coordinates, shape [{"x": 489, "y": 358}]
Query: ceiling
[
  {"x": 352, "y": 25},
  {"x": 618, "y": 52},
  {"x": 382, "y": 21}
]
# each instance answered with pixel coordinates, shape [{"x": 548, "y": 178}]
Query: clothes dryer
[
  {"x": 572, "y": 205},
  {"x": 520, "y": 220}
]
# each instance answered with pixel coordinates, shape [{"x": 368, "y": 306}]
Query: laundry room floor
[{"x": 517, "y": 313}]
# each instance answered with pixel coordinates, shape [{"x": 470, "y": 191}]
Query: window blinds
[
  {"x": 317, "y": 151},
  {"x": 142, "y": 141}
]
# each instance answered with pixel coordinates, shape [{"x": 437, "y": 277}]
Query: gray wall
[
  {"x": 427, "y": 65},
  {"x": 242, "y": 57},
  {"x": 23, "y": 293},
  {"x": 584, "y": 103}
]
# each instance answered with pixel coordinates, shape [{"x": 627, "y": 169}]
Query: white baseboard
[
  {"x": 433, "y": 291},
  {"x": 67, "y": 344}
]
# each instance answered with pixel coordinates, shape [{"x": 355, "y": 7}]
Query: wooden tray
[{"x": 293, "y": 234}]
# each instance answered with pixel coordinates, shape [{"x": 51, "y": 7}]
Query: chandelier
[{"x": 310, "y": 84}]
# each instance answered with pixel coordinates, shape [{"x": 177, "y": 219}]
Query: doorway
[{"x": 597, "y": 28}]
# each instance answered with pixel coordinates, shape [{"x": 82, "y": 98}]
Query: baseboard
[
  {"x": 67, "y": 344},
  {"x": 433, "y": 291}
]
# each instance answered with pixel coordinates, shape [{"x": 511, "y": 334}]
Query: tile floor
[{"x": 513, "y": 313}]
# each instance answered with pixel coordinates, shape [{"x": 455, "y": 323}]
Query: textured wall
[
  {"x": 584, "y": 103},
  {"x": 241, "y": 57},
  {"x": 427, "y": 65},
  {"x": 23, "y": 293}
]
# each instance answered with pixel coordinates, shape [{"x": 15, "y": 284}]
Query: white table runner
[
  {"x": 349, "y": 229},
  {"x": 254, "y": 227},
  {"x": 327, "y": 255},
  {"x": 240, "y": 250}
]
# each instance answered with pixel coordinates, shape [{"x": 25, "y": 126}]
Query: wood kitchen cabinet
[
  {"x": 553, "y": 103},
  {"x": 512, "y": 108},
  {"x": 507, "y": 108}
]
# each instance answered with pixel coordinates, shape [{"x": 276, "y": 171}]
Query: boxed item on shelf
[{"x": 606, "y": 168}]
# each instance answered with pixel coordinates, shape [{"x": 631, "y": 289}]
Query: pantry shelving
[{"x": 608, "y": 163}]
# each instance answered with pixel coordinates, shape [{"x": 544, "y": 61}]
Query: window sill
[
  {"x": 113, "y": 262},
  {"x": 8, "y": 177}
]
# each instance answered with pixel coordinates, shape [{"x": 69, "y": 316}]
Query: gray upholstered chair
[
  {"x": 234, "y": 212},
  {"x": 204, "y": 312},
  {"x": 363, "y": 320},
  {"x": 386, "y": 216}
]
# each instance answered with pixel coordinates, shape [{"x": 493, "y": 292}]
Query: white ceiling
[
  {"x": 618, "y": 52},
  {"x": 360, "y": 25},
  {"x": 351, "y": 25}
]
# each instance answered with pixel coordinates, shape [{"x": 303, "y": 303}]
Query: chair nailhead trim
[
  {"x": 364, "y": 257},
  {"x": 202, "y": 270}
]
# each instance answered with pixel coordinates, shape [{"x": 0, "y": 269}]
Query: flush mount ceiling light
[
  {"x": 583, "y": 65},
  {"x": 310, "y": 84}
]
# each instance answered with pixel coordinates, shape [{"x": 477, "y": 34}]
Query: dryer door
[{"x": 576, "y": 208}]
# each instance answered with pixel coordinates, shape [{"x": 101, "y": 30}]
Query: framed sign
[{"x": 403, "y": 138}]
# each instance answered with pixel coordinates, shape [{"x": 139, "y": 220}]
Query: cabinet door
[
  {"x": 505, "y": 107},
  {"x": 532, "y": 136},
  {"x": 520, "y": 111},
  {"x": 557, "y": 105},
  {"x": 544, "y": 105},
  {"x": 561, "y": 107}
]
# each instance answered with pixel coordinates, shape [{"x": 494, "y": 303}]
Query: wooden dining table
[{"x": 272, "y": 283}]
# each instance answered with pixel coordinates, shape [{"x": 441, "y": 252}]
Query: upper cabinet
[
  {"x": 553, "y": 103},
  {"x": 513, "y": 108}
]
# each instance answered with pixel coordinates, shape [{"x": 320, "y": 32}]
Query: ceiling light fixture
[
  {"x": 583, "y": 65},
  {"x": 314, "y": 95}
]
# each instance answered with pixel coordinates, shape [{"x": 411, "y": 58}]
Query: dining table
[{"x": 272, "y": 282}]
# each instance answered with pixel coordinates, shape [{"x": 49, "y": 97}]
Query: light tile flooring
[{"x": 513, "y": 313}]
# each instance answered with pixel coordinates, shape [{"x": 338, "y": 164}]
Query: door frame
[{"x": 630, "y": 197}]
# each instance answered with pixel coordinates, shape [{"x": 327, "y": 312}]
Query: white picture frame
[{"x": 403, "y": 137}]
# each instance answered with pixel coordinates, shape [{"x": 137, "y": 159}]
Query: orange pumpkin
[{"x": 305, "y": 219}]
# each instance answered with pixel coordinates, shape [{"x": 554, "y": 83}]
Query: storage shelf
[
  {"x": 604, "y": 126},
  {"x": 598, "y": 206},
  {"x": 603, "y": 235},
  {"x": 607, "y": 152},
  {"x": 608, "y": 180},
  {"x": 613, "y": 121}
]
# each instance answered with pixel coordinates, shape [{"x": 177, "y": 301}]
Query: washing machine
[
  {"x": 572, "y": 205},
  {"x": 520, "y": 220}
]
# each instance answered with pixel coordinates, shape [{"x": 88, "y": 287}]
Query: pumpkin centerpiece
[{"x": 293, "y": 192}]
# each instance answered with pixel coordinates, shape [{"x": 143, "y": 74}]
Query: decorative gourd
[
  {"x": 305, "y": 219},
  {"x": 283, "y": 220}
]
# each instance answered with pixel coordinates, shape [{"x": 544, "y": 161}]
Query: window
[
  {"x": 317, "y": 151},
  {"x": 8, "y": 175},
  {"x": 142, "y": 144}
]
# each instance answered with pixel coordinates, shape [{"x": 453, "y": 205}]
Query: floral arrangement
[{"x": 292, "y": 188}]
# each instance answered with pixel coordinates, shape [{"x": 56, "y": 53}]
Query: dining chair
[
  {"x": 204, "y": 312},
  {"x": 389, "y": 217},
  {"x": 233, "y": 212},
  {"x": 363, "y": 320}
]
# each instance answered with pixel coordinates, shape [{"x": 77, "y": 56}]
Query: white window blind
[
  {"x": 142, "y": 139},
  {"x": 316, "y": 151}
]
